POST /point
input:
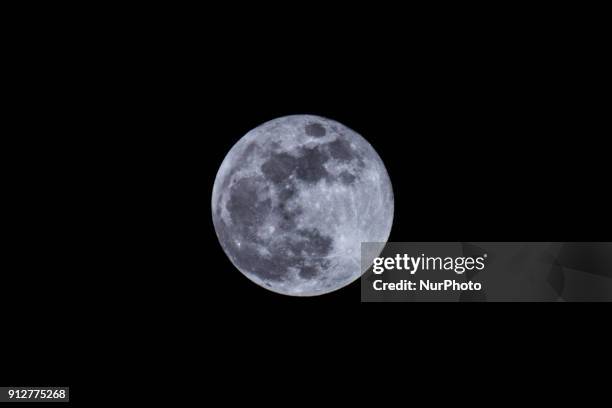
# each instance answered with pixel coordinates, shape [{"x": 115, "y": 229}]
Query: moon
[{"x": 294, "y": 199}]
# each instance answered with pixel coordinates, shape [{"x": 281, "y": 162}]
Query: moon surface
[{"x": 294, "y": 199}]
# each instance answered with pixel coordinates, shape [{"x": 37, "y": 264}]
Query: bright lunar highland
[{"x": 293, "y": 201}]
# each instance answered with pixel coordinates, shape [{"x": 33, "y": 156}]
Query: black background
[{"x": 113, "y": 270}]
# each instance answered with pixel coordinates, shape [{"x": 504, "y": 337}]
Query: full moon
[{"x": 294, "y": 199}]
